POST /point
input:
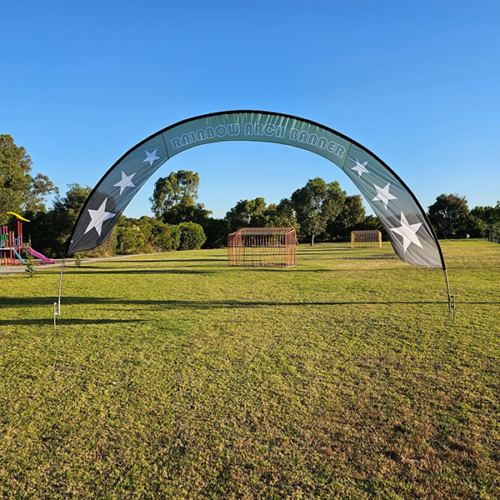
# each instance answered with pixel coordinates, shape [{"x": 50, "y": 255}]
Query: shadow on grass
[
  {"x": 374, "y": 257},
  {"x": 66, "y": 321},
  {"x": 163, "y": 261},
  {"x": 106, "y": 270},
  {"x": 326, "y": 270},
  {"x": 242, "y": 269},
  {"x": 333, "y": 251},
  {"x": 208, "y": 304}
]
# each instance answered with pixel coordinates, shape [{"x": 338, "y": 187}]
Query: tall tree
[
  {"x": 50, "y": 230},
  {"x": 67, "y": 209},
  {"x": 350, "y": 217},
  {"x": 246, "y": 213},
  {"x": 174, "y": 198},
  {"x": 40, "y": 187},
  {"x": 19, "y": 191},
  {"x": 372, "y": 223},
  {"x": 316, "y": 204},
  {"x": 278, "y": 215},
  {"x": 15, "y": 180},
  {"x": 448, "y": 214},
  {"x": 485, "y": 219}
]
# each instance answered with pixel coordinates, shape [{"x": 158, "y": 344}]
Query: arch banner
[{"x": 406, "y": 223}]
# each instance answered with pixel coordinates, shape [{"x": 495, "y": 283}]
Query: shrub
[
  {"x": 216, "y": 231},
  {"x": 192, "y": 236},
  {"x": 167, "y": 237},
  {"x": 78, "y": 259},
  {"x": 130, "y": 240},
  {"x": 107, "y": 249},
  {"x": 28, "y": 263}
]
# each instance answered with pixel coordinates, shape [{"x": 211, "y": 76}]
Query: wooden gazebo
[{"x": 262, "y": 247}]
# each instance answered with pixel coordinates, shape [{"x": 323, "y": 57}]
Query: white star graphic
[
  {"x": 98, "y": 217},
  {"x": 383, "y": 195},
  {"x": 360, "y": 167},
  {"x": 407, "y": 231},
  {"x": 151, "y": 157},
  {"x": 125, "y": 182}
]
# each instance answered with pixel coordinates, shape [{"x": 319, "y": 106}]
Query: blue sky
[{"x": 417, "y": 83}]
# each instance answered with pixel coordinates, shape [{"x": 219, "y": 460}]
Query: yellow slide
[{"x": 18, "y": 216}]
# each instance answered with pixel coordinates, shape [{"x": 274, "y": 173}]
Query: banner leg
[
  {"x": 58, "y": 303},
  {"x": 448, "y": 290}
]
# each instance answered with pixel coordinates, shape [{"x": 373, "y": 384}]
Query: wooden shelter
[{"x": 262, "y": 247}]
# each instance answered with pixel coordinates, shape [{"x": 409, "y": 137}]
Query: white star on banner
[
  {"x": 360, "y": 167},
  {"x": 99, "y": 217},
  {"x": 151, "y": 157},
  {"x": 125, "y": 182},
  {"x": 407, "y": 231},
  {"x": 383, "y": 195}
]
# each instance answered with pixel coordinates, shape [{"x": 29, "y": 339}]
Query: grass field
[{"x": 174, "y": 376}]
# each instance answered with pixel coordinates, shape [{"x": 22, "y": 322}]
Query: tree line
[{"x": 319, "y": 211}]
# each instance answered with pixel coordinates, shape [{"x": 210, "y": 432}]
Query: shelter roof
[{"x": 265, "y": 231}]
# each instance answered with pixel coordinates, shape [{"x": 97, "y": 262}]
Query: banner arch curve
[{"x": 399, "y": 211}]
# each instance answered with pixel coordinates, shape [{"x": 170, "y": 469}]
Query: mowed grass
[{"x": 175, "y": 376}]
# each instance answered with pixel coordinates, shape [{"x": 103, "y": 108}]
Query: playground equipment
[
  {"x": 38, "y": 255},
  {"x": 11, "y": 245}
]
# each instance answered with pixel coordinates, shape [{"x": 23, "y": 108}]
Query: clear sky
[{"x": 416, "y": 82}]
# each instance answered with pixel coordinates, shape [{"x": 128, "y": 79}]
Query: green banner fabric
[{"x": 409, "y": 230}]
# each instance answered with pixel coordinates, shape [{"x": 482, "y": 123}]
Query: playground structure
[
  {"x": 372, "y": 238},
  {"x": 262, "y": 247},
  {"x": 11, "y": 245}
]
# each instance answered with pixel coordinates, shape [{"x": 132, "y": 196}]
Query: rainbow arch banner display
[{"x": 406, "y": 223}]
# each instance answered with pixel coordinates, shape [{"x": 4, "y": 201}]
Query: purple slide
[{"x": 38, "y": 255}]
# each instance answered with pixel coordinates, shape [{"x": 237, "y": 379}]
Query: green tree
[
  {"x": 40, "y": 187},
  {"x": 68, "y": 207},
  {"x": 49, "y": 230},
  {"x": 65, "y": 212},
  {"x": 15, "y": 180},
  {"x": 174, "y": 198},
  {"x": 19, "y": 191},
  {"x": 276, "y": 215},
  {"x": 216, "y": 231},
  {"x": 372, "y": 223},
  {"x": 350, "y": 218},
  {"x": 448, "y": 215},
  {"x": 486, "y": 220},
  {"x": 246, "y": 213},
  {"x": 316, "y": 204}
]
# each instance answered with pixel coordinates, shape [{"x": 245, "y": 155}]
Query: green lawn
[{"x": 175, "y": 376}]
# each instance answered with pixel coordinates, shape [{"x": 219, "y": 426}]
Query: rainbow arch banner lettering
[{"x": 406, "y": 223}]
